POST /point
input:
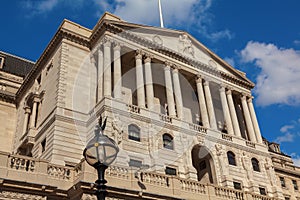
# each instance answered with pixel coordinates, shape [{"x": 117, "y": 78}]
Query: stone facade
[{"x": 182, "y": 117}]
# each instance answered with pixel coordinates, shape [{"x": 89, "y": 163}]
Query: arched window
[
  {"x": 255, "y": 164},
  {"x": 134, "y": 132},
  {"x": 231, "y": 158},
  {"x": 168, "y": 141}
]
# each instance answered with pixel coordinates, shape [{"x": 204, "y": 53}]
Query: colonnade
[{"x": 145, "y": 91}]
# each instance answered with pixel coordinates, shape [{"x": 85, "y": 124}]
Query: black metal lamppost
[{"x": 100, "y": 152}]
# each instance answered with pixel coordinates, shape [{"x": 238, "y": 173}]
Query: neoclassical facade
[{"x": 182, "y": 117}]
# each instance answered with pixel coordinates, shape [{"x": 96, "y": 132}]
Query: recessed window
[
  {"x": 1, "y": 62},
  {"x": 255, "y": 164},
  {"x": 135, "y": 163},
  {"x": 262, "y": 191},
  {"x": 231, "y": 158},
  {"x": 286, "y": 198},
  {"x": 170, "y": 171},
  {"x": 168, "y": 141},
  {"x": 43, "y": 144},
  {"x": 134, "y": 132},
  {"x": 202, "y": 165},
  {"x": 237, "y": 185},
  {"x": 282, "y": 181},
  {"x": 295, "y": 184}
]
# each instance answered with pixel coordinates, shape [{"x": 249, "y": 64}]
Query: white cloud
[
  {"x": 230, "y": 61},
  {"x": 286, "y": 128},
  {"x": 39, "y": 7},
  {"x": 278, "y": 81},
  {"x": 296, "y": 159},
  {"x": 287, "y": 137}
]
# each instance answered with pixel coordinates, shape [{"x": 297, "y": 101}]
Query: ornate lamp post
[{"x": 100, "y": 152}]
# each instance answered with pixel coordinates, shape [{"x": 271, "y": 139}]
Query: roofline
[{"x": 18, "y": 57}]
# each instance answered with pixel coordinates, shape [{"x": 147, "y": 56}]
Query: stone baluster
[
  {"x": 248, "y": 120},
  {"x": 254, "y": 121},
  {"x": 149, "y": 83},
  {"x": 169, "y": 90},
  {"x": 177, "y": 92},
  {"x": 210, "y": 106},
  {"x": 107, "y": 68},
  {"x": 226, "y": 112},
  {"x": 140, "y": 80},
  {"x": 202, "y": 104},
  {"x": 233, "y": 114},
  {"x": 117, "y": 72}
]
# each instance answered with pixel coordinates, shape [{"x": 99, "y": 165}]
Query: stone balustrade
[
  {"x": 59, "y": 172},
  {"x": 22, "y": 163},
  {"x": 227, "y": 137},
  {"x": 192, "y": 186},
  {"x": 261, "y": 197},
  {"x": 197, "y": 128},
  {"x": 155, "y": 179},
  {"x": 228, "y": 193},
  {"x": 133, "y": 108},
  {"x": 165, "y": 118},
  {"x": 250, "y": 144}
]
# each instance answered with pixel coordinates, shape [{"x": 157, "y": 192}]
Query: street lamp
[{"x": 100, "y": 152}]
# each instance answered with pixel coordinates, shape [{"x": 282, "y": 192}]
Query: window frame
[
  {"x": 255, "y": 164},
  {"x": 136, "y": 136},
  {"x": 169, "y": 169},
  {"x": 282, "y": 181},
  {"x": 295, "y": 185},
  {"x": 231, "y": 158},
  {"x": 170, "y": 139}
]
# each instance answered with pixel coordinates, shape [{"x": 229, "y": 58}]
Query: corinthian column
[
  {"x": 210, "y": 106},
  {"x": 100, "y": 74},
  {"x": 26, "y": 118},
  {"x": 140, "y": 80},
  {"x": 117, "y": 72},
  {"x": 247, "y": 116},
  {"x": 254, "y": 121},
  {"x": 33, "y": 115},
  {"x": 234, "y": 118},
  {"x": 169, "y": 91},
  {"x": 226, "y": 111},
  {"x": 177, "y": 92},
  {"x": 149, "y": 83},
  {"x": 202, "y": 104},
  {"x": 107, "y": 69}
]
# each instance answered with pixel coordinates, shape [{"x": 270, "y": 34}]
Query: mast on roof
[{"x": 160, "y": 15}]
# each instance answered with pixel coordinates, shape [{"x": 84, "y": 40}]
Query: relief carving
[{"x": 185, "y": 45}]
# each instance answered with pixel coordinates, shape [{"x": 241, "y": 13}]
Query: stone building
[{"x": 182, "y": 117}]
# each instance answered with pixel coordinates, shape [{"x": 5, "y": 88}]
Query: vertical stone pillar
[
  {"x": 210, "y": 106},
  {"x": 247, "y": 116},
  {"x": 107, "y": 69},
  {"x": 149, "y": 83},
  {"x": 26, "y": 118},
  {"x": 202, "y": 104},
  {"x": 93, "y": 82},
  {"x": 254, "y": 121},
  {"x": 235, "y": 122},
  {"x": 33, "y": 115},
  {"x": 226, "y": 112},
  {"x": 139, "y": 80},
  {"x": 117, "y": 72},
  {"x": 169, "y": 91},
  {"x": 177, "y": 92},
  {"x": 100, "y": 74}
]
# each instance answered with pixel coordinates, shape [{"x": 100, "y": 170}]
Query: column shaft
[
  {"x": 169, "y": 92},
  {"x": 26, "y": 118},
  {"x": 107, "y": 70},
  {"x": 33, "y": 115},
  {"x": 249, "y": 123},
  {"x": 210, "y": 107},
  {"x": 254, "y": 121},
  {"x": 177, "y": 92},
  {"x": 202, "y": 104},
  {"x": 117, "y": 72},
  {"x": 149, "y": 83},
  {"x": 100, "y": 75},
  {"x": 226, "y": 111},
  {"x": 235, "y": 123},
  {"x": 140, "y": 81}
]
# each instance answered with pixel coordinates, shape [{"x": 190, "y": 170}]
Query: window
[
  {"x": 135, "y": 163},
  {"x": 168, "y": 141},
  {"x": 43, "y": 144},
  {"x": 202, "y": 165},
  {"x": 282, "y": 181},
  {"x": 237, "y": 185},
  {"x": 231, "y": 158},
  {"x": 170, "y": 171},
  {"x": 262, "y": 191},
  {"x": 286, "y": 198},
  {"x": 134, "y": 132},
  {"x": 295, "y": 184},
  {"x": 1, "y": 62},
  {"x": 255, "y": 164}
]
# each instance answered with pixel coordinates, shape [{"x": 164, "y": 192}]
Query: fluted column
[
  {"x": 234, "y": 119},
  {"x": 100, "y": 74},
  {"x": 117, "y": 72},
  {"x": 177, "y": 92},
  {"x": 254, "y": 121},
  {"x": 107, "y": 69},
  {"x": 202, "y": 104},
  {"x": 169, "y": 91},
  {"x": 210, "y": 106},
  {"x": 139, "y": 80},
  {"x": 33, "y": 114},
  {"x": 149, "y": 83},
  {"x": 247, "y": 116},
  {"x": 226, "y": 111},
  {"x": 26, "y": 118}
]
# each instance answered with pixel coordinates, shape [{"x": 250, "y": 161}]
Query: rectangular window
[
  {"x": 237, "y": 185},
  {"x": 262, "y": 191},
  {"x": 171, "y": 171},
  {"x": 286, "y": 198},
  {"x": 295, "y": 184},
  {"x": 1, "y": 62},
  {"x": 282, "y": 181},
  {"x": 43, "y": 144},
  {"x": 135, "y": 163}
]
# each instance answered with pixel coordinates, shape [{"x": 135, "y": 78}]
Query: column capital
[
  {"x": 249, "y": 100},
  {"x": 198, "y": 79},
  {"x": 148, "y": 58},
  {"x": 92, "y": 59},
  {"x": 116, "y": 46},
  {"x": 243, "y": 97},
  {"x": 106, "y": 41},
  {"x": 27, "y": 109},
  {"x": 138, "y": 54},
  {"x": 206, "y": 82},
  {"x": 175, "y": 67},
  {"x": 222, "y": 88},
  {"x": 229, "y": 92},
  {"x": 168, "y": 63}
]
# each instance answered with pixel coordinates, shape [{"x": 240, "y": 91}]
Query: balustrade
[
  {"x": 133, "y": 108},
  {"x": 261, "y": 197},
  {"x": 198, "y": 128},
  {"x": 228, "y": 193},
  {"x": 118, "y": 172},
  {"x": 22, "y": 163},
  {"x": 192, "y": 186},
  {"x": 165, "y": 118},
  {"x": 250, "y": 144},
  {"x": 59, "y": 172},
  {"x": 227, "y": 137},
  {"x": 155, "y": 179}
]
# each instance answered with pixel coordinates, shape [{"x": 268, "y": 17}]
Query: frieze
[{"x": 23, "y": 196}]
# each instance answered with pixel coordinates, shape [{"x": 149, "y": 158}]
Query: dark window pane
[
  {"x": 231, "y": 158},
  {"x": 262, "y": 191},
  {"x": 134, "y": 133},
  {"x": 237, "y": 185},
  {"x": 255, "y": 164},
  {"x": 135, "y": 163},
  {"x": 168, "y": 141},
  {"x": 202, "y": 165},
  {"x": 171, "y": 171}
]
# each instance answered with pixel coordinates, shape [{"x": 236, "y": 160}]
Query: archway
[{"x": 204, "y": 164}]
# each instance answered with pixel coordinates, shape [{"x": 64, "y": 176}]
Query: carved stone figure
[
  {"x": 246, "y": 164},
  {"x": 185, "y": 45},
  {"x": 117, "y": 129},
  {"x": 220, "y": 153},
  {"x": 269, "y": 170}
]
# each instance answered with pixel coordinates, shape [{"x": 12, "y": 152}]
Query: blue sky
[{"x": 261, "y": 38}]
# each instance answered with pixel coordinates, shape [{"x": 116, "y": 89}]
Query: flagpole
[{"x": 160, "y": 15}]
